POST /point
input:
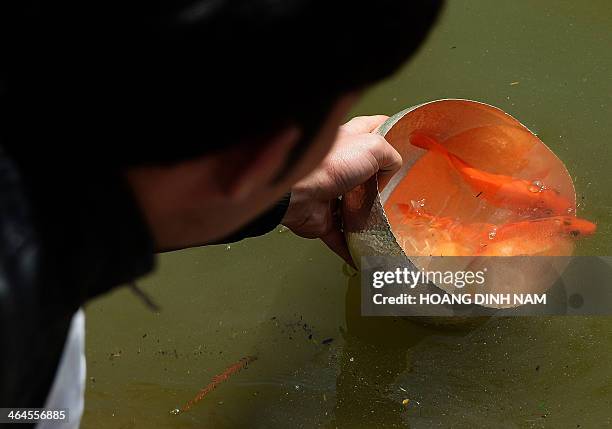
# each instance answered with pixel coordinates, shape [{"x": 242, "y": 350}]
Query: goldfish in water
[
  {"x": 421, "y": 234},
  {"x": 570, "y": 226},
  {"x": 218, "y": 379},
  {"x": 448, "y": 237},
  {"x": 498, "y": 189},
  {"x": 456, "y": 231},
  {"x": 545, "y": 236}
]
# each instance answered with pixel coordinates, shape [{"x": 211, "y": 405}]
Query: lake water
[{"x": 289, "y": 301}]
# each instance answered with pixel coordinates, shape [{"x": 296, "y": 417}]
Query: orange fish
[
  {"x": 545, "y": 236},
  {"x": 571, "y": 226},
  {"x": 218, "y": 379},
  {"x": 498, "y": 189},
  {"x": 456, "y": 230},
  {"x": 420, "y": 233},
  {"x": 517, "y": 238}
]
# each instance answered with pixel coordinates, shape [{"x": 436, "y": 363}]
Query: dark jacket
[{"x": 66, "y": 236}]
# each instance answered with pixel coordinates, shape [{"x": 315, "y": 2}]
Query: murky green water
[{"x": 280, "y": 297}]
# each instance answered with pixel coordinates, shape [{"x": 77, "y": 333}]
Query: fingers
[
  {"x": 389, "y": 160},
  {"x": 355, "y": 160},
  {"x": 336, "y": 242},
  {"x": 362, "y": 124},
  {"x": 334, "y": 238},
  {"x": 356, "y": 156}
]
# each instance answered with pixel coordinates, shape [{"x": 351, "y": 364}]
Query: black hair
[{"x": 164, "y": 80}]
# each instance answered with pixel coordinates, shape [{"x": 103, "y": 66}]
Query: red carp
[{"x": 498, "y": 189}]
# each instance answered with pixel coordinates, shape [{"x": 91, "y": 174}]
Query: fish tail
[{"x": 424, "y": 141}]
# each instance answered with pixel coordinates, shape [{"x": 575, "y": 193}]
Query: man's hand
[{"x": 356, "y": 155}]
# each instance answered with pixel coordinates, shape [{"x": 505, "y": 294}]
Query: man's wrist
[{"x": 263, "y": 224}]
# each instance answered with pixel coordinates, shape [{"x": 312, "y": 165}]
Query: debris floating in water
[{"x": 216, "y": 380}]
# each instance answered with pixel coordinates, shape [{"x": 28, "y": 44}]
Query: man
[{"x": 137, "y": 128}]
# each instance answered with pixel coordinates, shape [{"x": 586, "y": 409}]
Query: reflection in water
[
  {"x": 525, "y": 371},
  {"x": 377, "y": 351}
]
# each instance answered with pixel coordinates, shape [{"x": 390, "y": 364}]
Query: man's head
[{"x": 239, "y": 91}]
